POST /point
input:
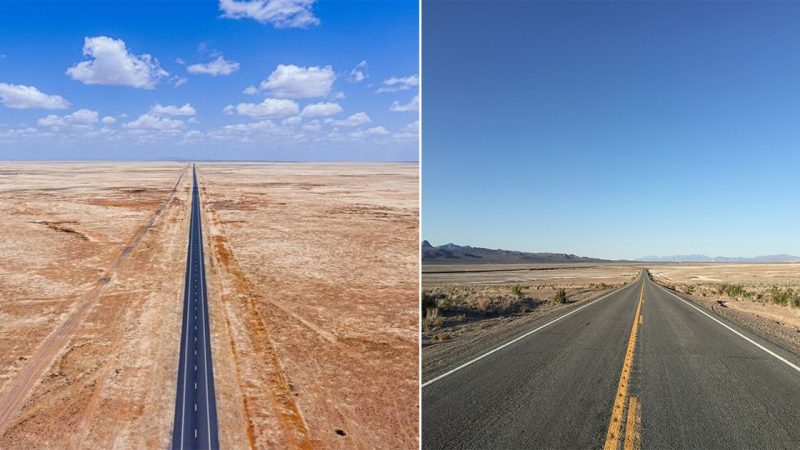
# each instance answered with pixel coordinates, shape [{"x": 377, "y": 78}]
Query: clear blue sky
[
  {"x": 328, "y": 80},
  {"x": 612, "y": 129}
]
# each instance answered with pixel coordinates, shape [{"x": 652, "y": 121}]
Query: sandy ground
[
  {"x": 778, "y": 323},
  {"x": 315, "y": 331},
  {"x": 312, "y": 292},
  {"x": 91, "y": 270}
]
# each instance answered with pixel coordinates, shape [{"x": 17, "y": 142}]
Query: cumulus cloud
[
  {"x": 369, "y": 132},
  {"x": 270, "y": 107},
  {"x": 312, "y": 126},
  {"x": 359, "y": 73},
  {"x": 172, "y": 110},
  {"x": 395, "y": 84},
  {"x": 290, "y": 81},
  {"x": 108, "y": 120},
  {"x": 410, "y": 131},
  {"x": 291, "y": 121},
  {"x": 81, "y": 118},
  {"x": 278, "y": 13},
  {"x": 218, "y": 66},
  {"x": 322, "y": 109},
  {"x": 19, "y": 96},
  {"x": 353, "y": 121},
  {"x": 250, "y": 90},
  {"x": 110, "y": 63},
  {"x": 149, "y": 121},
  {"x": 413, "y": 105}
]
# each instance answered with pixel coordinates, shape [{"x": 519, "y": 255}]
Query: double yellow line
[{"x": 632, "y": 437}]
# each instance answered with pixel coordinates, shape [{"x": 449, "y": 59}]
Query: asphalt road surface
[
  {"x": 195, "y": 425},
  {"x": 639, "y": 368}
]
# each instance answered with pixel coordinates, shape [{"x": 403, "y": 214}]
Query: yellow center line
[
  {"x": 633, "y": 425},
  {"x": 614, "y": 433}
]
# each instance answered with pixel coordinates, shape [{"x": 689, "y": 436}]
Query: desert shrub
[
  {"x": 787, "y": 297},
  {"x": 428, "y": 302},
  {"x": 484, "y": 305},
  {"x": 560, "y": 297},
  {"x": 689, "y": 288},
  {"x": 734, "y": 291},
  {"x": 516, "y": 290},
  {"x": 432, "y": 319}
]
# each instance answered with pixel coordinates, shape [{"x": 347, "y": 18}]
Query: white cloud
[
  {"x": 148, "y": 121},
  {"x": 217, "y": 67},
  {"x": 80, "y": 118},
  {"x": 111, "y": 64},
  {"x": 270, "y": 107},
  {"x": 395, "y": 84},
  {"x": 250, "y": 90},
  {"x": 413, "y": 105},
  {"x": 108, "y": 120},
  {"x": 171, "y": 110},
  {"x": 353, "y": 121},
  {"x": 18, "y": 96},
  {"x": 290, "y": 81},
  {"x": 279, "y": 13},
  {"x": 409, "y": 131},
  {"x": 322, "y": 109},
  {"x": 359, "y": 73},
  {"x": 369, "y": 132},
  {"x": 312, "y": 126},
  {"x": 291, "y": 121}
]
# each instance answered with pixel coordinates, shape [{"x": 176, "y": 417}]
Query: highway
[
  {"x": 638, "y": 368},
  {"x": 195, "y": 424}
]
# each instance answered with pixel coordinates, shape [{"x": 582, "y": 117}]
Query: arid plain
[
  {"x": 312, "y": 295},
  {"x": 468, "y": 308}
]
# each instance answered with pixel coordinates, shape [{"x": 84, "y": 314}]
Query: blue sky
[
  {"x": 328, "y": 80},
  {"x": 612, "y": 129}
]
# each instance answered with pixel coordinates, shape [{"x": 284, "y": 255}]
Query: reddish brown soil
[{"x": 316, "y": 332}]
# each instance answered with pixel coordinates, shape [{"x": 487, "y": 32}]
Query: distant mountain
[
  {"x": 464, "y": 254},
  {"x": 704, "y": 258}
]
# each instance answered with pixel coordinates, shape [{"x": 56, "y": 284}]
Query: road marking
[
  {"x": 429, "y": 382},
  {"x": 617, "y": 413},
  {"x": 633, "y": 425},
  {"x": 195, "y": 386},
  {"x": 195, "y": 433},
  {"x": 206, "y": 352},
  {"x": 777, "y": 356},
  {"x": 641, "y": 318},
  {"x": 186, "y": 349},
  {"x": 195, "y": 406}
]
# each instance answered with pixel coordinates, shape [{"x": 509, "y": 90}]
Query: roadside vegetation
[
  {"x": 784, "y": 296},
  {"x": 449, "y": 305}
]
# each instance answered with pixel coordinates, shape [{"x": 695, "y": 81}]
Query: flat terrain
[
  {"x": 91, "y": 278},
  {"x": 312, "y": 292},
  {"x": 477, "y": 308},
  {"x": 638, "y": 367},
  {"x": 764, "y": 297},
  {"x": 313, "y": 269}
]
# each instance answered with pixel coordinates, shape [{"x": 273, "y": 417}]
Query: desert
[{"x": 312, "y": 298}]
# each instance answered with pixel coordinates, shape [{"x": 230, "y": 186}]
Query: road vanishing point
[
  {"x": 638, "y": 368},
  {"x": 195, "y": 425}
]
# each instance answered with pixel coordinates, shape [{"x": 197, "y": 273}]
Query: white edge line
[
  {"x": 204, "y": 299},
  {"x": 188, "y": 303},
  {"x": 777, "y": 356},
  {"x": 521, "y": 337}
]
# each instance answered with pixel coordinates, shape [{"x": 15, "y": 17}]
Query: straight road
[
  {"x": 639, "y": 368},
  {"x": 195, "y": 425}
]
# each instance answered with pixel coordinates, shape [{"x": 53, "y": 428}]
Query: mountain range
[
  {"x": 729, "y": 259},
  {"x": 464, "y": 254}
]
